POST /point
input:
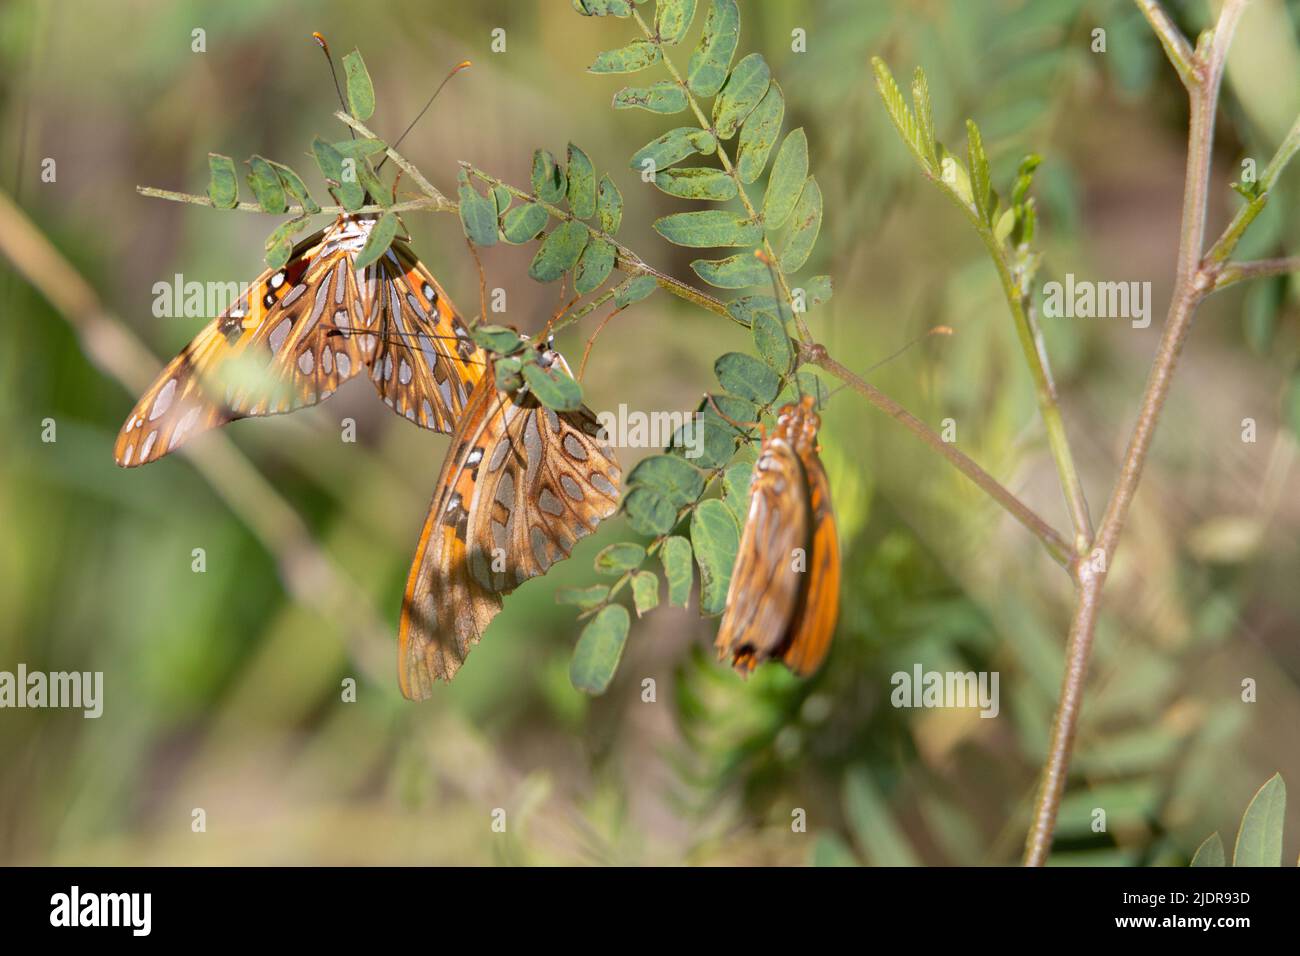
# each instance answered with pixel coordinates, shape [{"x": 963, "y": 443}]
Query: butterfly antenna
[
  {"x": 482, "y": 281},
  {"x": 462, "y": 65},
  {"x": 937, "y": 330},
  {"x": 582, "y": 369},
  {"x": 325, "y": 47},
  {"x": 764, "y": 258}
]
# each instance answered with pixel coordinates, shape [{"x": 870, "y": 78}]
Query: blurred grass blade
[
  {"x": 1210, "y": 852},
  {"x": 1259, "y": 840}
]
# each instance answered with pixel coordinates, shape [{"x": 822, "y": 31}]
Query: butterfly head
[{"x": 800, "y": 419}]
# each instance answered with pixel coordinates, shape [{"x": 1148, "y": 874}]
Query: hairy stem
[{"x": 1191, "y": 286}]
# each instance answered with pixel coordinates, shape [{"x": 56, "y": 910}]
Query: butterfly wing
[
  {"x": 523, "y": 484},
  {"x": 819, "y": 601},
  {"x": 287, "y": 343},
  {"x": 426, "y": 364},
  {"x": 765, "y": 584}
]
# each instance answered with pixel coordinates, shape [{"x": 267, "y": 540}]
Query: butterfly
[
  {"x": 521, "y": 484},
  {"x": 303, "y": 330},
  {"x": 783, "y": 599}
]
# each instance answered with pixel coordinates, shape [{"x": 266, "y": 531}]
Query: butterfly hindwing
[
  {"x": 522, "y": 484},
  {"x": 819, "y": 602},
  {"x": 288, "y": 342},
  {"x": 765, "y": 581}
]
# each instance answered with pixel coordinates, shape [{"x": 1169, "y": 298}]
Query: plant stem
[
  {"x": 1051, "y": 539},
  {"x": 1191, "y": 286},
  {"x": 1234, "y": 272},
  {"x": 408, "y": 206}
]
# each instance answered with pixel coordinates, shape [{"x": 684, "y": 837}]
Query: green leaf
[
  {"x": 637, "y": 55},
  {"x": 346, "y": 191},
  {"x": 645, "y": 591},
  {"x": 604, "y": 8},
  {"x": 509, "y": 374},
  {"x": 523, "y": 223},
  {"x": 734, "y": 272},
  {"x": 899, "y": 111},
  {"x": 585, "y": 598},
  {"x": 759, "y": 134},
  {"x": 649, "y": 512},
  {"x": 548, "y": 178},
  {"x": 223, "y": 184},
  {"x": 709, "y": 228},
  {"x": 596, "y": 657},
  {"x": 830, "y": 850},
  {"x": 663, "y": 97},
  {"x": 746, "y": 86},
  {"x": 361, "y": 93},
  {"x": 553, "y": 387},
  {"x": 380, "y": 238},
  {"x": 559, "y": 251},
  {"x": 501, "y": 196},
  {"x": 359, "y": 148},
  {"x": 1210, "y": 852},
  {"x": 634, "y": 290},
  {"x": 673, "y": 19},
  {"x": 715, "y": 537},
  {"x": 497, "y": 339},
  {"x": 279, "y": 244},
  {"x": 924, "y": 116},
  {"x": 697, "y": 182},
  {"x": 295, "y": 187},
  {"x": 677, "y": 482},
  {"x": 582, "y": 184},
  {"x": 789, "y": 172},
  {"x": 675, "y": 555},
  {"x": 709, "y": 63},
  {"x": 1259, "y": 840},
  {"x": 815, "y": 291},
  {"x": 735, "y": 489},
  {"x": 981, "y": 187},
  {"x": 265, "y": 183},
  {"x": 745, "y": 308},
  {"x": 594, "y": 267},
  {"x": 805, "y": 224},
  {"x": 741, "y": 411},
  {"x": 747, "y": 377},
  {"x": 772, "y": 342},
  {"x": 478, "y": 214},
  {"x": 609, "y": 206},
  {"x": 674, "y": 146},
  {"x": 617, "y": 558}
]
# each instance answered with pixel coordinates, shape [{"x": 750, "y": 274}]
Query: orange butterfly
[
  {"x": 521, "y": 485},
  {"x": 304, "y": 329},
  {"x": 783, "y": 600}
]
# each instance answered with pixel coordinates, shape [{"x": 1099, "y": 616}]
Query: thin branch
[
  {"x": 1234, "y": 272},
  {"x": 1227, "y": 242},
  {"x": 1051, "y": 539},
  {"x": 408, "y": 206},
  {"x": 1191, "y": 286},
  {"x": 1171, "y": 38}
]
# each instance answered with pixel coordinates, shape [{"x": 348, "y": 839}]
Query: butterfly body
[
  {"x": 783, "y": 600},
  {"x": 520, "y": 486},
  {"x": 301, "y": 331}
]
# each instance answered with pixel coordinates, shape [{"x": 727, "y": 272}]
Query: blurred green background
[{"x": 223, "y": 690}]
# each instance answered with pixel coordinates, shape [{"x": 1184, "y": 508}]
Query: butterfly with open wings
[
  {"x": 301, "y": 331},
  {"x": 521, "y": 485},
  {"x": 783, "y": 600}
]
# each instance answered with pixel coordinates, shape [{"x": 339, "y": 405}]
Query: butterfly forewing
[
  {"x": 522, "y": 484},
  {"x": 819, "y": 602},
  {"x": 426, "y": 364},
  {"x": 287, "y": 343}
]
